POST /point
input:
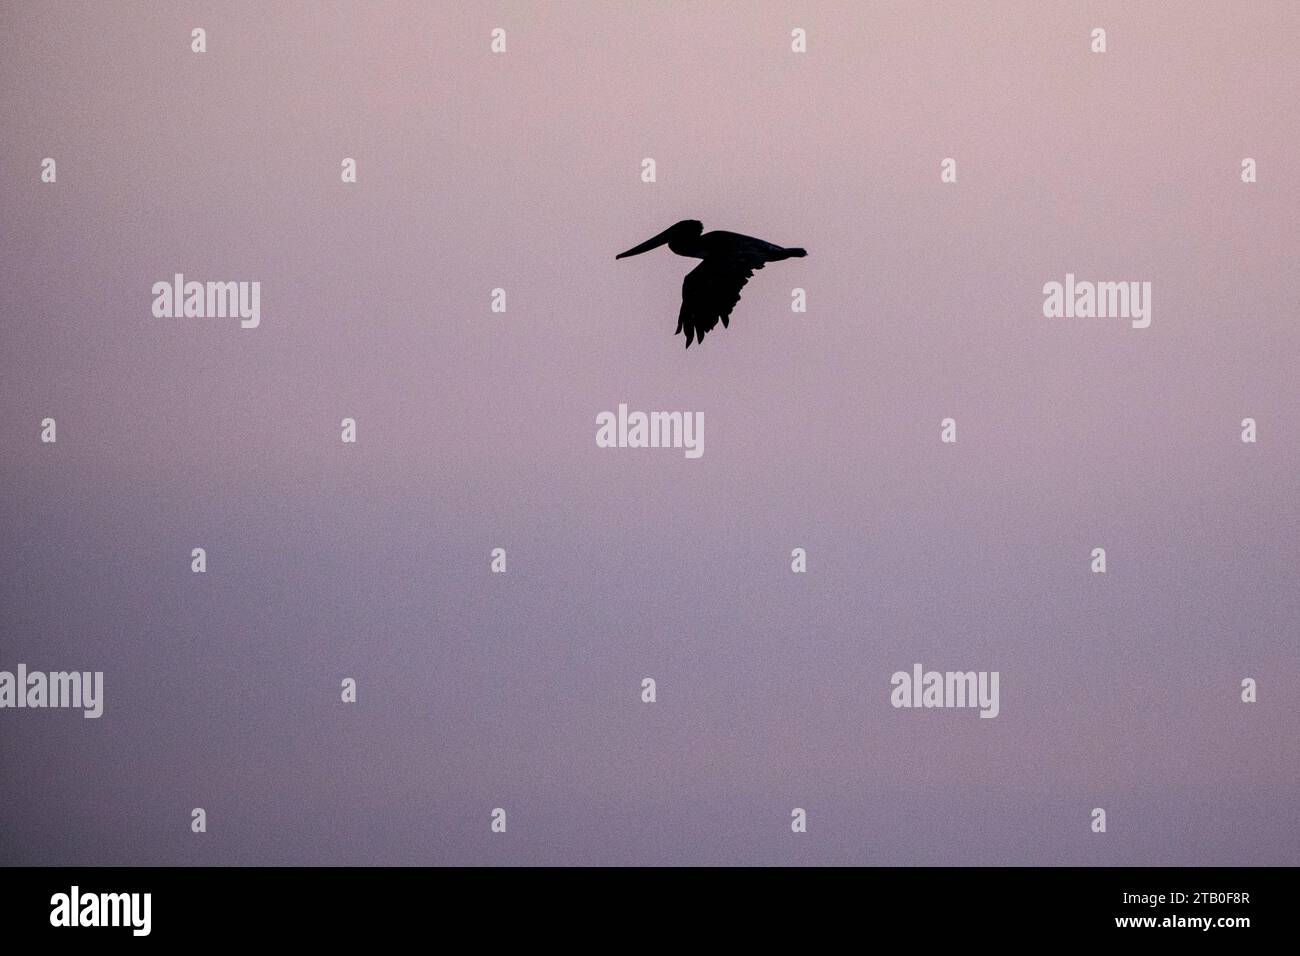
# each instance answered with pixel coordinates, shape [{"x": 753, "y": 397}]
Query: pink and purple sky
[{"x": 476, "y": 430}]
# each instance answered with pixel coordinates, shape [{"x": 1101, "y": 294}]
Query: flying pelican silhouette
[{"x": 711, "y": 290}]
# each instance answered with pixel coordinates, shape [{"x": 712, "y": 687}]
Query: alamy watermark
[
  {"x": 208, "y": 300},
  {"x": 922, "y": 688},
  {"x": 38, "y": 689},
  {"x": 651, "y": 430}
]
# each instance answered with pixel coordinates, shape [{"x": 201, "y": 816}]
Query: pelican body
[{"x": 711, "y": 290}]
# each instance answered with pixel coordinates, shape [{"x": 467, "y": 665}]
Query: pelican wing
[{"x": 711, "y": 290}]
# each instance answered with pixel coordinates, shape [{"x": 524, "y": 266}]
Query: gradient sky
[{"x": 822, "y": 431}]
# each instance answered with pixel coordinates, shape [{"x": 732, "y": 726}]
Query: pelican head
[{"x": 686, "y": 229}]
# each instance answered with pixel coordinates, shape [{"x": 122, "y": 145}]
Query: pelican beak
[{"x": 646, "y": 246}]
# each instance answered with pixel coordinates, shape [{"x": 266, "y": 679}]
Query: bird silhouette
[{"x": 711, "y": 290}]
